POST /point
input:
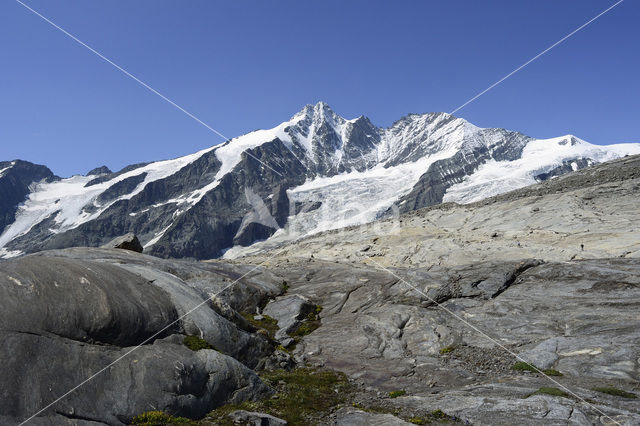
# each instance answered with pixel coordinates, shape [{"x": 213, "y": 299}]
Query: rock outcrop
[
  {"x": 118, "y": 319},
  {"x": 126, "y": 242},
  {"x": 290, "y": 312},
  {"x": 314, "y": 172}
]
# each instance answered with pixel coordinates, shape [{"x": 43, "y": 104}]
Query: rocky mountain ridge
[{"x": 314, "y": 172}]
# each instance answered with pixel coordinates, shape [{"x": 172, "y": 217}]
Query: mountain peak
[
  {"x": 319, "y": 159},
  {"x": 320, "y": 109}
]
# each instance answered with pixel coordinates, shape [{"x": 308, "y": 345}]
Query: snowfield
[
  {"x": 539, "y": 156},
  {"x": 360, "y": 178}
]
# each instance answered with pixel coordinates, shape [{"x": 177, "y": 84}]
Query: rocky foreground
[{"x": 521, "y": 309}]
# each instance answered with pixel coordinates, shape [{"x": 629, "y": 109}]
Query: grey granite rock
[
  {"x": 125, "y": 242},
  {"x": 255, "y": 419},
  {"x": 116, "y": 318},
  {"x": 355, "y": 417},
  {"x": 289, "y": 311}
]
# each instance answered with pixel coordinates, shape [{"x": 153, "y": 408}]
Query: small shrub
[
  {"x": 551, "y": 372},
  {"x": 158, "y": 418},
  {"x": 418, "y": 421},
  {"x": 397, "y": 393},
  {"x": 195, "y": 344},
  {"x": 550, "y": 391},
  {"x": 615, "y": 392}
]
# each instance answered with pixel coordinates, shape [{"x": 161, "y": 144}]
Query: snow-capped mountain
[{"x": 314, "y": 172}]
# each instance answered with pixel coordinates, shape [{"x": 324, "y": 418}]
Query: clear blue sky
[{"x": 243, "y": 65}]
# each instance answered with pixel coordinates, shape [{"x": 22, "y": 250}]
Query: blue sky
[{"x": 242, "y": 65}]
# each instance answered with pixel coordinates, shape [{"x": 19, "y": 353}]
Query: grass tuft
[
  {"x": 158, "y": 418},
  {"x": 525, "y": 366},
  {"x": 439, "y": 414},
  {"x": 302, "y": 395},
  {"x": 306, "y": 328},
  {"x": 610, "y": 390},
  {"x": 550, "y": 391},
  {"x": 436, "y": 416},
  {"x": 447, "y": 349},
  {"x": 309, "y": 326},
  {"x": 270, "y": 325},
  {"x": 397, "y": 393},
  {"x": 195, "y": 344}
]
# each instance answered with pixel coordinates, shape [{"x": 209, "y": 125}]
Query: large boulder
[
  {"x": 114, "y": 323},
  {"x": 127, "y": 242}
]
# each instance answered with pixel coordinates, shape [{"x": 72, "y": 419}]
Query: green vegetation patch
[
  {"x": 397, "y": 393},
  {"x": 447, "y": 349},
  {"x": 551, "y": 391},
  {"x": 436, "y": 416},
  {"x": 266, "y": 323},
  {"x": 439, "y": 414},
  {"x": 302, "y": 395},
  {"x": 195, "y": 344},
  {"x": 309, "y": 326},
  {"x": 158, "y": 418},
  {"x": 315, "y": 316},
  {"x": 305, "y": 329},
  {"x": 615, "y": 392},
  {"x": 525, "y": 366}
]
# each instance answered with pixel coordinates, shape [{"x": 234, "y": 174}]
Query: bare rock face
[
  {"x": 289, "y": 311},
  {"x": 125, "y": 242},
  {"x": 70, "y": 314},
  {"x": 257, "y": 419},
  {"x": 457, "y": 355},
  {"x": 355, "y": 417}
]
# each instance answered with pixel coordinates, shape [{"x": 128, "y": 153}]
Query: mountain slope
[{"x": 314, "y": 172}]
